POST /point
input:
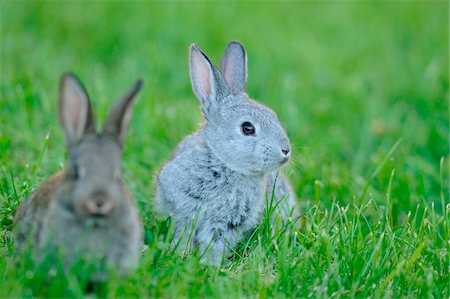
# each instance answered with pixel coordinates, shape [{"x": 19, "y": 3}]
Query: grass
[{"x": 362, "y": 89}]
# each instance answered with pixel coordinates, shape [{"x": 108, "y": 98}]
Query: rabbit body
[
  {"x": 50, "y": 224},
  {"x": 228, "y": 203},
  {"x": 34, "y": 209},
  {"x": 218, "y": 177},
  {"x": 85, "y": 210}
]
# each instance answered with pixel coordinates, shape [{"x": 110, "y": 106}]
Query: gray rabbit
[
  {"x": 85, "y": 210},
  {"x": 215, "y": 184}
]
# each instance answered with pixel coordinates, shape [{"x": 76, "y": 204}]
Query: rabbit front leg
[
  {"x": 182, "y": 242},
  {"x": 284, "y": 195},
  {"x": 215, "y": 241}
]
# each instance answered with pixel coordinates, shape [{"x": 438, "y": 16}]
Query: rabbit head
[
  {"x": 92, "y": 186},
  {"x": 243, "y": 134}
]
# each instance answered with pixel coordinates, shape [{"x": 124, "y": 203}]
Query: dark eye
[
  {"x": 247, "y": 128},
  {"x": 75, "y": 172}
]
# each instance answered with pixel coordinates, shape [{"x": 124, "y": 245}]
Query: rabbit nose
[
  {"x": 99, "y": 204},
  {"x": 285, "y": 151}
]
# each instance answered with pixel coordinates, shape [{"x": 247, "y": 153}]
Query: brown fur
[{"x": 85, "y": 210}]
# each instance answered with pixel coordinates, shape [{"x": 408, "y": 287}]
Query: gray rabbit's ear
[
  {"x": 75, "y": 111},
  {"x": 234, "y": 67},
  {"x": 207, "y": 82},
  {"x": 119, "y": 117}
]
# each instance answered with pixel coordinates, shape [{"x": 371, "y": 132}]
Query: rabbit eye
[
  {"x": 75, "y": 172},
  {"x": 247, "y": 128}
]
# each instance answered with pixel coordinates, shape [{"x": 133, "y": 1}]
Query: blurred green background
[{"x": 347, "y": 79}]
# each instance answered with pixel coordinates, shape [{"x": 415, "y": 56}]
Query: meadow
[{"x": 362, "y": 89}]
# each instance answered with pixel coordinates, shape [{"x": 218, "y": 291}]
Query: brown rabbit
[{"x": 85, "y": 210}]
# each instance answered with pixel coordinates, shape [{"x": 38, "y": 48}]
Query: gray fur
[
  {"x": 85, "y": 210},
  {"x": 234, "y": 67},
  {"x": 217, "y": 174}
]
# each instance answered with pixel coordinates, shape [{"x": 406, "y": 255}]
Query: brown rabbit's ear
[
  {"x": 75, "y": 111},
  {"x": 118, "y": 119}
]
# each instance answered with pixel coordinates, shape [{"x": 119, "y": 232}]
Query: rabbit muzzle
[
  {"x": 285, "y": 151},
  {"x": 99, "y": 205}
]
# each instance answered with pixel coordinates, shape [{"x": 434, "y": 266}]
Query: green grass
[{"x": 362, "y": 89}]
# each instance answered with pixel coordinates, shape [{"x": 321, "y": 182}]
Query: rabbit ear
[
  {"x": 75, "y": 110},
  {"x": 234, "y": 67},
  {"x": 118, "y": 119},
  {"x": 207, "y": 82}
]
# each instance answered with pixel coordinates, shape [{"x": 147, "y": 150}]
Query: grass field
[{"x": 362, "y": 89}]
